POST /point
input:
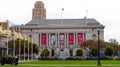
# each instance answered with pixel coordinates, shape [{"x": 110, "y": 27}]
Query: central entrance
[{"x": 61, "y": 54}]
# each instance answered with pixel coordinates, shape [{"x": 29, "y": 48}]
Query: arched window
[{"x": 94, "y": 37}]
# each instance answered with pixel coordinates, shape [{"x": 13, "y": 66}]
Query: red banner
[
  {"x": 71, "y": 38},
  {"x": 80, "y": 38},
  {"x": 43, "y": 39}
]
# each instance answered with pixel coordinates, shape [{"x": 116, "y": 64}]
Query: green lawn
[
  {"x": 72, "y": 62},
  {"x": 67, "y": 63}
]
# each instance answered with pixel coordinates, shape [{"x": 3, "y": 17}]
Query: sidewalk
[{"x": 26, "y": 60}]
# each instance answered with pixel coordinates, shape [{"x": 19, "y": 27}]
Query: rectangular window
[
  {"x": 53, "y": 39},
  {"x": 80, "y": 38},
  {"x": 71, "y": 38},
  {"x": 43, "y": 39},
  {"x": 62, "y": 39}
]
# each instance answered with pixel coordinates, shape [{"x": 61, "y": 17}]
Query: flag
[{"x": 62, "y": 9}]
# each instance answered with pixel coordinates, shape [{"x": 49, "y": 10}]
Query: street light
[
  {"x": 7, "y": 35},
  {"x": 13, "y": 44},
  {"x": 24, "y": 49},
  {"x": 20, "y": 47},
  {"x": 30, "y": 36},
  {"x": 99, "y": 64},
  {"x": 28, "y": 48},
  {"x": 32, "y": 49}
]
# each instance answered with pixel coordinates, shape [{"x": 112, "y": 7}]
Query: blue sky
[{"x": 107, "y": 12}]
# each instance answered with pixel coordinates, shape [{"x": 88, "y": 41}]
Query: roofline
[{"x": 62, "y": 27}]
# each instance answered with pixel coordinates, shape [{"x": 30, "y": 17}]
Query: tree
[
  {"x": 45, "y": 53},
  {"x": 94, "y": 51},
  {"x": 88, "y": 43},
  {"x": 109, "y": 51},
  {"x": 21, "y": 42},
  {"x": 35, "y": 48},
  {"x": 79, "y": 52},
  {"x": 113, "y": 41},
  {"x": 94, "y": 43}
]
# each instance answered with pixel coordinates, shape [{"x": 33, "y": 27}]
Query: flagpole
[
  {"x": 62, "y": 15},
  {"x": 86, "y": 16},
  {"x": 86, "y": 13}
]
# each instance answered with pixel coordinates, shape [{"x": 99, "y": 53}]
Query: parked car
[{"x": 9, "y": 60}]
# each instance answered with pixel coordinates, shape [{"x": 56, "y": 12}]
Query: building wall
[
  {"x": 15, "y": 29},
  {"x": 36, "y": 36},
  {"x": 89, "y": 30},
  {"x": 4, "y": 25},
  {"x": 88, "y": 33}
]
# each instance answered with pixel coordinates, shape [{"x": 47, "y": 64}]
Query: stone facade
[
  {"x": 48, "y": 33},
  {"x": 37, "y": 31},
  {"x": 39, "y": 12},
  {"x": 4, "y": 25}
]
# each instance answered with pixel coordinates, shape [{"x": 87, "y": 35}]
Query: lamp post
[
  {"x": 28, "y": 48},
  {"x": 30, "y": 36},
  {"x": 7, "y": 35},
  {"x": 19, "y": 48},
  {"x": 13, "y": 44},
  {"x": 32, "y": 50},
  {"x": 24, "y": 49},
  {"x": 7, "y": 44},
  {"x": 99, "y": 64}
]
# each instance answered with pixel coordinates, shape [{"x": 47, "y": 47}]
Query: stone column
[
  {"x": 84, "y": 36},
  {"x": 47, "y": 39},
  {"x": 58, "y": 40},
  {"x": 40, "y": 39},
  {"x": 74, "y": 39},
  {"x": 67, "y": 39},
  {"x": 76, "y": 35}
]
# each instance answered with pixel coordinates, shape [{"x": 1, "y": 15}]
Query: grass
[
  {"x": 72, "y": 62},
  {"x": 67, "y": 63}
]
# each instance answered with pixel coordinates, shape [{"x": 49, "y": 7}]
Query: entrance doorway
[
  {"x": 52, "y": 52},
  {"x": 71, "y": 52}
]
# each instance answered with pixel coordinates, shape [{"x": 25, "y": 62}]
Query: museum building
[{"x": 60, "y": 34}]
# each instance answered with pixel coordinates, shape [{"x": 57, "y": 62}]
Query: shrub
[
  {"x": 79, "y": 52},
  {"x": 6, "y": 56},
  {"x": 94, "y": 51},
  {"x": 109, "y": 51},
  {"x": 45, "y": 53}
]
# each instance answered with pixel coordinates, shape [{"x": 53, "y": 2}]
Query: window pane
[
  {"x": 52, "y": 39},
  {"x": 62, "y": 39}
]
